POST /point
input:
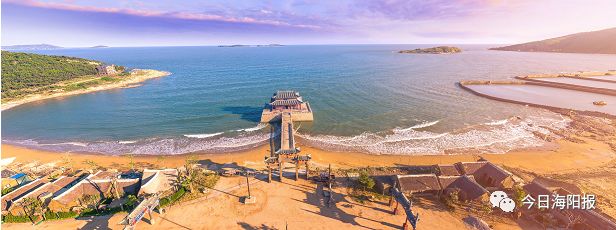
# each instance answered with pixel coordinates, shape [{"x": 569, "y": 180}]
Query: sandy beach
[
  {"x": 137, "y": 76},
  {"x": 557, "y": 157},
  {"x": 302, "y": 207}
]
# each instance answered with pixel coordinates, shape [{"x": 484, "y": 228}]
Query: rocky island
[{"x": 433, "y": 50}]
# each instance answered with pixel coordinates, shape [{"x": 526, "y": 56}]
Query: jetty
[{"x": 284, "y": 108}]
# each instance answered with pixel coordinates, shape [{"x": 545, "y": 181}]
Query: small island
[{"x": 433, "y": 50}]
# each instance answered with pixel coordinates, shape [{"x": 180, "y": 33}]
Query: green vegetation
[
  {"x": 169, "y": 200},
  {"x": 25, "y": 73},
  {"x": 7, "y": 190},
  {"x": 24, "y": 70},
  {"x": 49, "y": 215},
  {"x": 451, "y": 199},
  {"x": 434, "y": 50},
  {"x": 365, "y": 181},
  {"x": 518, "y": 194},
  {"x": 364, "y": 190},
  {"x": 9, "y": 218}
]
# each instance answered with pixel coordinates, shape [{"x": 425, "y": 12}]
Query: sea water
[{"x": 365, "y": 98}]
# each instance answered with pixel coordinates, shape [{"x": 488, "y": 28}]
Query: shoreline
[
  {"x": 557, "y": 156},
  {"x": 137, "y": 76}
]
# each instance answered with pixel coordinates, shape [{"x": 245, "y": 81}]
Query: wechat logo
[{"x": 500, "y": 199}]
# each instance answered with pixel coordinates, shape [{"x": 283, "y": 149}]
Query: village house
[
  {"x": 102, "y": 184},
  {"x": 573, "y": 218},
  {"x": 487, "y": 174},
  {"x": 469, "y": 189},
  {"x": 158, "y": 181},
  {"x": 14, "y": 179},
  {"x": 419, "y": 184},
  {"x": 446, "y": 170},
  {"x": 44, "y": 193},
  {"x": 8, "y": 200}
]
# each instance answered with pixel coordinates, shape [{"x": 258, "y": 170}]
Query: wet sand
[{"x": 561, "y": 155}]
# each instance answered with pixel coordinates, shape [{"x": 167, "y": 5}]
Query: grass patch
[
  {"x": 10, "y": 218},
  {"x": 169, "y": 200}
]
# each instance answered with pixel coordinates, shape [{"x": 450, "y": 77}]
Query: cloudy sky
[{"x": 73, "y": 23}]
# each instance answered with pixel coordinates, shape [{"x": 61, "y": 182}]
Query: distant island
[
  {"x": 595, "y": 42},
  {"x": 30, "y": 77},
  {"x": 238, "y": 45},
  {"x": 31, "y": 47},
  {"x": 100, "y": 46},
  {"x": 433, "y": 50}
]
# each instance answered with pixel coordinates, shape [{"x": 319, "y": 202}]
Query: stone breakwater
[{"x": 531, "y": 81}]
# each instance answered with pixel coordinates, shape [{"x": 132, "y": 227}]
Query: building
[
  {"x": 44, "y": 193},
  {"x": 586, "y": 219},
  {"x": 287, "y": 101},
  {"x": 446, "y": 170},
  {"x": 420, "y": 184},
  {"x": 102, "y": 184},
  {"x": 487, "y": 174},
  {"x": 469, "y": 189},
  {"x": 9, "y": 200},
  {"x": 158, "y": 181},
  {"x": 106, "y": 70}
]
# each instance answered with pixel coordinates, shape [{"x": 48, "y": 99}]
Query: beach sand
[
  {"x": 297, "y": 203},
  {"x": 561, "y": 156}
]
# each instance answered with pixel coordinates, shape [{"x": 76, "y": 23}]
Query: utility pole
[{"x": 248, "y": 184}]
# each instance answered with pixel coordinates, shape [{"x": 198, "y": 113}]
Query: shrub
[
  {"x": 169, "y": 200},
  {"x": 365, "y": 181},
  {"x": 10, "y": 218}
]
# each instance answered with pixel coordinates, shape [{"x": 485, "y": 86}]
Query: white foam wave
[
  {"x": 127, "y": 142},
  {"x": 498, "y": 137},
  {"x": 497, "y": 122},
  {"x": 68, "y": 143},
  {"x": 258, "y": 127},
  {"x": 204, "y": 135},
  {"x": 418, "y": 126}
]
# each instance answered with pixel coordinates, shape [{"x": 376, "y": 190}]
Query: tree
[
  {"x": 131, "y": 162},
  {"x": 90, "y": 201},
  {"x": 131, "y": 201},
  {"x": 365, "y": 181},
  {"x": 32, "y": 207},
  {"x": 93, "y": 165},
  {"x": 67, "y": 161},
  {"x": 518, "y": 195}
]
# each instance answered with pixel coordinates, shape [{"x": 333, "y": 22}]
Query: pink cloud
[{"x": 152, "y": 13}]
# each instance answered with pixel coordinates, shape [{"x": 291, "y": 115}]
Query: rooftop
[
  {"x": 285, "y": 94},
  {"x": 418, "y": 183}
]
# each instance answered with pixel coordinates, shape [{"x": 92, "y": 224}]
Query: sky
[{"x": 81, "y": 23}]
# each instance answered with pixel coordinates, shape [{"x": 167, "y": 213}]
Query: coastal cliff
[{"x": 433, "y": 50}]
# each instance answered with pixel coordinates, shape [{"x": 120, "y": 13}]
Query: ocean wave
[
  {"x": 153, "y": 146},
  {"x": 480, "y": 138},
  {"x": 127, "y": 142},
  {"x": 497, "y": 122},
  {"x": 258, "y": 127},
  {"x": 204, "y": 135},
  {"x": 493, "y": 137},
  {"x": 418, "y": 126},
  {"x": 67, "y": 143}
]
